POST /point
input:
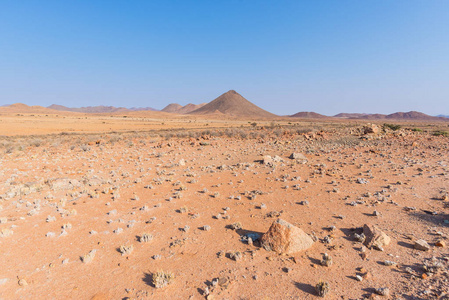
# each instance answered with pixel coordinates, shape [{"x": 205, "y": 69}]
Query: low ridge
[
  {"x": 88, "y": 109},
  {"x": 179, "y": 109},
  {"x": 233, "y": 104},
  {"x": 23, "y": 108},
  {"x": 308, "y": 115}
]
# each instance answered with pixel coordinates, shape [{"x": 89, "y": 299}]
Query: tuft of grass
[
  {"x": 162, "y": 279},
  {"x": 145, "y": 238},
  {"x": 126, "y": 250}
]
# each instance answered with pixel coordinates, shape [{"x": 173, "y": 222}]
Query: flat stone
[{"x": 421, "y": 245}]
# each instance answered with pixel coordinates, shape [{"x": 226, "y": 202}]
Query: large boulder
[
  {"x": 284, "y": 237},
  {"x": 374, "y": 237}
]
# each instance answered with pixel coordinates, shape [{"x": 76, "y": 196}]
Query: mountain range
[{"x": 230, "y": 104}]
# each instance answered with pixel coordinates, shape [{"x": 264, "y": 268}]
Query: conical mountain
[{"x": 233, "y": 104}]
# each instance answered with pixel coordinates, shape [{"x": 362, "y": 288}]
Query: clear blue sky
[{"x": 285, "y": 56}]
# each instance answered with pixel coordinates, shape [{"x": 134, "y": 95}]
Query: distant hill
[
  {"x": 308, "y": 115},
  {"x": 20, "y": 108},
  {"x": 172, "y": 108},
  {"x": 411, "y": 115},
  {"x": 232, "y": 103},
  {"x": 179, "y": 109},
  {"x": 142, "y": 109},
  {"x": 88, "y": 109},
  {"x": 443, "y": 116},
  {"x": 349, "y": 115},
  {"x": 190, "y": 107},
  {"x": 98, "y": 109}
]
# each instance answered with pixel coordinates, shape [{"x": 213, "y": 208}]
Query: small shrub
[
  {"x": 327, "y": 260},
  {"x": 393, "y": 127},
  {"x": 322, "y": 288},
  {"x": 145, "y": 238},
  {"x": 89, "y": 257},
  {"x": 183, "y": 209},
  {"x": 236, "y": 226},
  {"x": 126, "y": 250},
  {"x": 235, "y": 255},
  {"x": 440, "y": 133},
  {"x": 162, "y": 279}
]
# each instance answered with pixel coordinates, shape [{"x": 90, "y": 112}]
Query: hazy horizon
[{"x": 326, "y": 57}]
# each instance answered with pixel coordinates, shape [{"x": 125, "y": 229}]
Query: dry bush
[{"x": 162, "y": 278}]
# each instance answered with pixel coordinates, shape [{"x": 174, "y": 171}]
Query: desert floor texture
[{"x": 98, "y": 215}]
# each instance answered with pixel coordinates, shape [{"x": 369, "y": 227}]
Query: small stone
[
  {"x": 358, "y": 278},
  {"x": 440, "y": 243},
  {"x": 22, "y": 282},
  {"x": 389, "y": 263},
  {"x": 367, "y": 275},
  {"x": 383, "y": 291},
  {"x": 223, "y": 282},
  {"x": 421, "y": 245}
]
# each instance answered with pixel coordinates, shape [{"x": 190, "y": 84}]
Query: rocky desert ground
[{"x": 295, "y": 211}]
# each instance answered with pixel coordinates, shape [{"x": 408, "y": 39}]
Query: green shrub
[
  {"x": 440, "y": 133},
  {"x": 393, "y": 127}
]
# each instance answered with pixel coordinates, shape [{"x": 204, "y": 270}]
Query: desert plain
[{"x": 151, "y": 205}]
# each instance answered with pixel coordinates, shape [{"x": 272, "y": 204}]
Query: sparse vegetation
[
  {"x": 126, "y": 249},
  {"x": 440, "y": 133},
  {"x": 145, "y": 238},
  {"x": 162, "y": 279},
  {"x": 89, "y": 257},
  {"x": 393, "y": 127},
  {"x": 322, "y": 288}
]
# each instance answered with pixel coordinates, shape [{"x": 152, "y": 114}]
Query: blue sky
[{"x": 285, "y": 56}]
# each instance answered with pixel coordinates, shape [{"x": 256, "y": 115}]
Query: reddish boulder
[{"x": 284, "y": 237}]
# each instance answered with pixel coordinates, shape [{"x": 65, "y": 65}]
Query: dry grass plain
[{"x": 95, "y": 206}]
